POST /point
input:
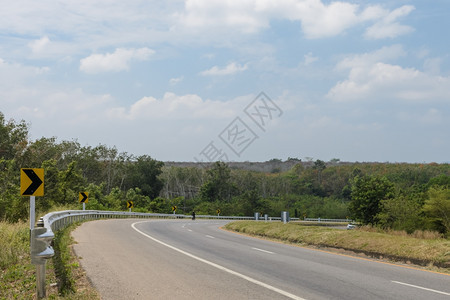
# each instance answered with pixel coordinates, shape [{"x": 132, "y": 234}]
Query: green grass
[
  {"x": 64, "y": 277},
  {"x": 397, "y": 247},
  {"x": 63, "y": 261}
]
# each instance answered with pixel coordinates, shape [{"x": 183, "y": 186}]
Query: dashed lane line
[
  {"x": 262, "y": 250},
  {"x": 421, "y": 287}
]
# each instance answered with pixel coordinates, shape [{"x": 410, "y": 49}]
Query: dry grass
[
  {"x": 418, "y": 234},
  {"x": 17, "y": 274},
  {"x": 426, "y": 235},
  {"x": 371, "y": 241}
]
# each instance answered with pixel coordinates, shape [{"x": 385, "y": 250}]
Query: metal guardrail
[
  {"x": 328, "y": 220},
  {"x": 58, "y": 220}
]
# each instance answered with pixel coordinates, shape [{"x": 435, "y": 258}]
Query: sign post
[
  {"x": 32, "y": 184},
  {"x": 32, "y": 212},
  {"x": 130, "y": 204},
  {"x": 83, "y": 197}
]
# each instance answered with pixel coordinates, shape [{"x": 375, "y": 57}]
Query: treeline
[{"x": 398, "y": 196}]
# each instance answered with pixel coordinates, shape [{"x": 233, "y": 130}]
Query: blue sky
[{"x": 182, "y": 80}]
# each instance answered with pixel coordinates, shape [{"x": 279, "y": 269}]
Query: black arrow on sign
[
  {"x": 35, "y": 182},
  {"x": 84, "y": 197}
]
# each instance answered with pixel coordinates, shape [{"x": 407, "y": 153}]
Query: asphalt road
[{"x": 184, "y": 259}]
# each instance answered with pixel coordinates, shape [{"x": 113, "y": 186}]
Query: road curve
[{"x": 184, "y": 259}]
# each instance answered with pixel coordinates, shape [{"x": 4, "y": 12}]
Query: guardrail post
[
  {"x": 40, "y": 281},
  {"x": 285, "y": 216},
  {"x": 40, "y": 252}
]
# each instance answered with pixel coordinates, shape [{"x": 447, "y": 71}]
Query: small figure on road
[{"x": 193, "y": 215}]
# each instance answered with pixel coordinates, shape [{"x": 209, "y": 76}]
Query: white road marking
[
  {"x": 190, "y": 230},
  {"x": 262, "y": 284},
  {"x": 209, "y": 236},
  {"x": 422, "y": 288},
  {"x": 265, "y": 251}
]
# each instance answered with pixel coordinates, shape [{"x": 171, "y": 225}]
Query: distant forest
[{"x": 398, "y": 196}]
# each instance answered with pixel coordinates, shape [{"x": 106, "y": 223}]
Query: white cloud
[
  {"x": 26, "y": 94},
  {"x": 310, "y": 58},
  {"x": 388, "y": 27},
  {"x": 431, "y": 116},
  {"x": 241, "y": 15},
  {"x": 56, "y": 112},
  {"x": 432, "y": 65},
  {"x": 174, "y": 81},
  {"x": 318, "y": 19},
  {"x": 172, "y": 106},
  {"x": 250, "y": 16},
  {"x": 117, "y": 61},
  {"x": 385, "y": 54},
  {"x": 15, "y": 77},
  {"x": 85, "y": 23},
  {"x": 39, "y": 45},
  {"x": 229, "y": 69},
  {"x": 78, "y": 27},
  {"x": 371, "y": 78}
]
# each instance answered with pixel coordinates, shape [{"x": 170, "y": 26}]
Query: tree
[
  {"x": 158, "y": 205},
  {"x": 71, "y": 182},
  {"x": 437, "y": 206},
  {"x": 181, "y": 181},
  {"x": 335, "y": 161},
  {"x": 218, "y": 187},
  {"x": 144, "y": 174},
  {"x": 53, "y": 192},
  {"x": 441, "y": 180},
  {"x": 139, "y": 200},
  {"x": 12, "y": 206},
  {"x": 251, "y": 201},
  {"x": 319, "y": 165},
  {"x": 401, "y": 213},
  {"x": 13, "y": 138},
  {"x": 114, "y": 199},
  {"x": 89, "y": 161},
  {"x": 41, "y": 150},
  {"x": 61, "y": 186},
  {"x": 366, "y": 196}
]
